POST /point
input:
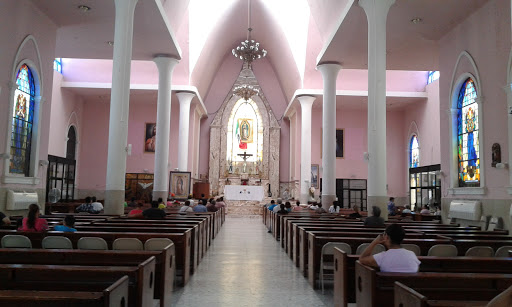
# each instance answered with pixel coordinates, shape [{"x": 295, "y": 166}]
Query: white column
[
  {"x": 119, "y": 106},
  {"x": 163, "y": 124},
  {"x": 185, "y": 99},
  {"x": 508, "y": 90},
  {"x": 306, "y": 104},
  {"x": 376, "y": 13},
  {"x": 329, "y": 74}
]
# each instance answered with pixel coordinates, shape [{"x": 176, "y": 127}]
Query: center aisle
[{"x": 245, "y": 266}]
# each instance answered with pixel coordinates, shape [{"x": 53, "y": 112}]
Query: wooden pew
[
  {"x": 375, "y": 288},
  {"x": 405, "y": 296},
  {"x": 81, "y": 278},
  {"x": 315, "y": 244},
  {"x": 164, "y": 265},
  {"x": 344, "y": 270},
  {"x": 115, "y": 295},
  {"x": 182, "y": 242}
]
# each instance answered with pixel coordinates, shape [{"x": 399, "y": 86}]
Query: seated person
[
  {"x": 186, "y": 207},
  {"x": 150, "y": 213},
  {"x": 96, "y": 205},
  {"x": 335, "y": 207},
  {"x": 271, "y": 205},
  {"x": 288, "y": 206},
  {"x": 69, "y": 223},
  {"x": 200, "y": 207},
  {"x": 425, "y": 210},
  {"x": 356, "y": 213},
  {"x": 161, "y": 204},
  {"x": 375, "y": 220},
  {"x": 86, "y": 207},
  {"x": 138, "y": 210},
  {"x": 314, "y": 206},
  {"x": 282, "y": 209},
  {"x": 132, "y": 203},
  {"x": 32, "y": 222},
  {"x": 407, "y": 210},
  {"x": 220, "y": 203},
  {"x": 320, "y": 209},
  {"x": 212, "y": 206},
  {"x": 391, "y": 206},
  {"x": 4, "y": 220},
  {"x": 395, "y": 259},
  {"x": 153, "y": 212},
  {"x": 278, "y": 207},
  {"x": 297, "y": 207}
]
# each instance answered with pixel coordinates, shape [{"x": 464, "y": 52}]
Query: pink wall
[
  {"x": 94, "y": 143},
  {"x": 353, "y": 166},
  {"x": 25, "y": 19},
  {"x": 422, "y": 119},
  {"x": 485, "y": 35},
  {"x": 223, "y": 81}
]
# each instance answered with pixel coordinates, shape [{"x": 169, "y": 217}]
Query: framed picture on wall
[
  {"x": 149, "y": 137},
  {"x": 179, "y": 184},
  {"x": 314, "y": 175},
  {"x": 340, "y": 143}
]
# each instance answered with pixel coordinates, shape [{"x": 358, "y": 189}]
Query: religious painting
[
  {"x": 179, "y": 184},
  {"x": 244, "y": 132},
  {"x": 150, "y": 137},
  {"x": 314, "y": 175},
  {"x": 339, "y": 143}
]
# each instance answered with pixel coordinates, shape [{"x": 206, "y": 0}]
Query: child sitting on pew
[
  {"x": 395, "y": 259},
  {"x": 138, "y": 210},
  {"x": 32, "y": 222},
  {"x": 69, "y": 223}
]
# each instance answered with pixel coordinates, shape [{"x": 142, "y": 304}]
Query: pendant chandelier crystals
[
  {"x": 245, "y": 91},
  {"x": 249, "y": 50}
]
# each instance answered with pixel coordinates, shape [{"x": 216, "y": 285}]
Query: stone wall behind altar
[{"x": 219, "y": 175}]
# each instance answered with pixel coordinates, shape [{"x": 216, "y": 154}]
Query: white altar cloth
[{"x": 243, "y": 192}]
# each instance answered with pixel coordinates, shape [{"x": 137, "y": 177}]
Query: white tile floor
[{"x": 246, "y": 266}]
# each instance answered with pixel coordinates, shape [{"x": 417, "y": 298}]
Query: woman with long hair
[{"x": 32, "y": 222}]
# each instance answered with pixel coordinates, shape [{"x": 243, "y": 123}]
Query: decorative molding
[
  {"x": 509, "y": 189},
  {"x": 20, "y": 180},
  {"x": 468, "y": 191}
]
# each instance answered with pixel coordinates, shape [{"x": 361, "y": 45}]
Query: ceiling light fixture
[
  {"x": 245, "y": 91},
  {"x": 249, "y": 50},
  {"x": 84, "y": 8},
  {"x": 416, "y": 20}
]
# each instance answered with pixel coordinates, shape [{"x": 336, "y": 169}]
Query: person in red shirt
[
  {"x": 138, "y": 210},
  {"x": 32, "y": 222}
]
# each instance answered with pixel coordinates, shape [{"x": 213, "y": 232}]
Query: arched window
[
  {"x": 71, "y": 143},
  {"x": 245, "y": 136},
  {"x": 22, "y": 122},
  {"x": 468, "y": 144},
  {"x": 414, "y": 152}
]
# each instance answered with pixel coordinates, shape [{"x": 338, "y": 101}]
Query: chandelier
[
  {"x": 249, "y": 50},
  {"x": 245, "y": 91}
]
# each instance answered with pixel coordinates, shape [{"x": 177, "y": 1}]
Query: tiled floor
[{"x": 246, "y": 266}]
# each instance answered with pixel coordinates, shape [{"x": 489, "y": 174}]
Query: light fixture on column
[
  {"x": 245, "y": 91},
  {"x": 249, "y": 50}
]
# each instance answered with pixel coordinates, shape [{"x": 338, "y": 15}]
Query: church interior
[{"x": 316, "y": 101}]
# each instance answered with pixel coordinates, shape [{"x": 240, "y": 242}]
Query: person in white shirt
[
  {"x": 335, "y": 207},
  {"x": 96, "y": 205},
  {"x": 278, "y": 207},
  {"x": 186, "y": 208},
  {"x": 407, "y": 209},
  {"x": 395, "y": 259}
]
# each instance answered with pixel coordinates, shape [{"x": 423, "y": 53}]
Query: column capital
[
  {"x": 373, "y": 7},
  {"x": 329, "y": 68},
  {"x": 306, "y": 101},
  {"x": 185, "y": 97},
  {"x": 163, "y": 62}
]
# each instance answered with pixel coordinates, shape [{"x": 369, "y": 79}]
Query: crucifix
[{"x": 244, "y": 156}]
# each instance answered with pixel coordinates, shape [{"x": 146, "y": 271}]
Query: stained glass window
[
  {"x": 414, "y": 149},
  {"x": 57, "y": 64},
  {"x": 468, "y": 144},
  {"x": 22, "y": 121},
  {"x": 433, "y": 76}
]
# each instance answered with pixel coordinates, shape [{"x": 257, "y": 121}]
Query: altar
[{"x": 243, "y": 192}]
